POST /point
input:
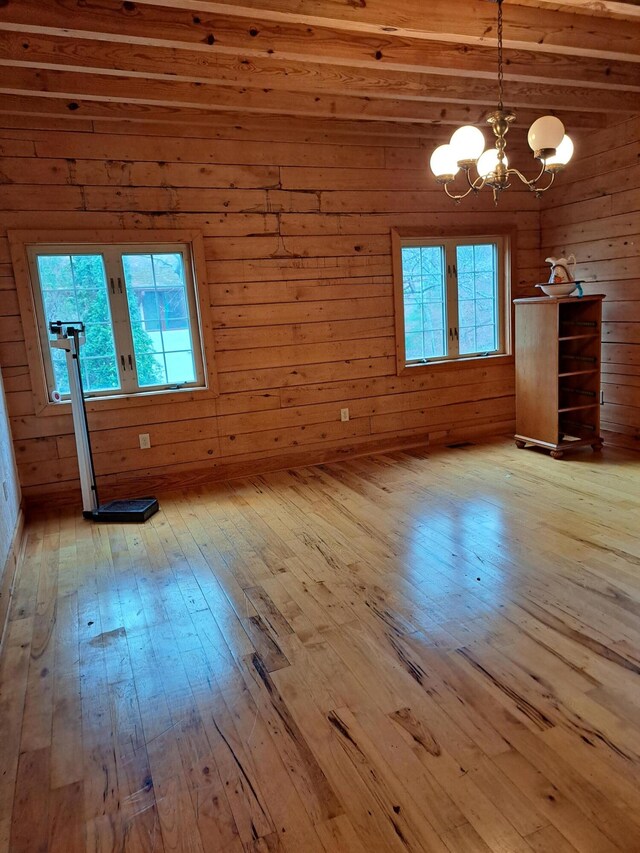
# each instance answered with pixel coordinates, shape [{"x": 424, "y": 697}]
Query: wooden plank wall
[
  {"x": 296, "y": 223},
  {"x": 11, "y": 516},
  {"x": 597, "y": 217}
]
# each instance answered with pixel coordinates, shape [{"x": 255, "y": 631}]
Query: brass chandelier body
[{"x": 551, "y": 146}]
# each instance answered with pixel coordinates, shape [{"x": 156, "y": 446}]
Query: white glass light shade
[
  {"x": 488, "y": 162},
  {"x": 443, "y": 162},
  {"x": 467, "y": 143},
  {"x": 545, "y": 132},
  {"x": 564, "y": 153}
]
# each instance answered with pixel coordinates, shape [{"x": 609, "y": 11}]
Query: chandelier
[{"x": 466, "y": 149}]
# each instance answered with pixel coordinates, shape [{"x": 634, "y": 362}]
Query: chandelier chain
[{"x": 500, "y": 69}]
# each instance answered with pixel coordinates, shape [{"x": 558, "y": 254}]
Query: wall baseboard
[
  {"x": 619, "y": 439},
  {"x": 8, "y": 572},
  {"x": 190, "y": 476}
]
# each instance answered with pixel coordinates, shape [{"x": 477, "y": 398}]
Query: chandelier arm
[
  {"x": 455, "y": 196},
  {"x": 474, "y": 186},
  {"x": 477, "y": 183},
  {"x": 530, "y": 183},
  {"x": 543, "y": 166},
  {"x": 533, "y": 184},
  {"x": 539, "y": 190}
]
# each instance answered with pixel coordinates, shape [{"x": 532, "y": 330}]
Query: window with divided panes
[
  {"x": 453, "y": 298},
  {"x": 139, "y": 307}
]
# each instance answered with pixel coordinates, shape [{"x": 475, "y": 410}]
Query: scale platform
[{"x": 132, "y": 510}]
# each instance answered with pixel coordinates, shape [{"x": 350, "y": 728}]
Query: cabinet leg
[
  {"x": 520, "y": 444},
  {"x": 557, "y": 454},
  {"x": 597, "y": 446}
]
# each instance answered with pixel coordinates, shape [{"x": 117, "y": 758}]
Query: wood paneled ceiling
[{"x": 413, "y": 62}]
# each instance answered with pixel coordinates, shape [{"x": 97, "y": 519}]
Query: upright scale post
[
  {"x": 70, "y": 336},
  {"x": 70, "y": 339}
]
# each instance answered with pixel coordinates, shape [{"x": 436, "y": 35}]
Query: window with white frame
[
  {"x": 453, "y": 298},
  {"x": 138, "y": 303}
]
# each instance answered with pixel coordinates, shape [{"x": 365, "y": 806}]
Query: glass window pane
[
  {"x": 486, "y": 338},
  {"x": 56, "y": 271},
  {"x": 174, "y": 307},
  {"x": 485, "y": 310},
  {"x": 466, "y": 312},
  {"x": 160, "y": 321},
  {"x": 74, "y": 287},
  {"x": 478, "y": 298},
  {"x": 466, "y": 285},
  {"x": 465, "y": 260},
  {"x": 150, "y": 310},
  {"x": 413, "y": 317},
  {"x": 484, "y": 284},
  {"x": 138, "y": 270},
  {"x": 59, "y": 364},
  {"x": 433, "y": 315},
  {"x": 168, "y": 270},
  {"x": 98, "y": 374},
  {"x": 180, "y": 367},
  {"x": 59, "y": 304},
  {"x": 467, "y": 340},
  {"x": 483, "y": 257},
  {"x": 86, "y": 270},
  {"x": 180, "y": 340},
  {"x": 151, "y": 368},
  {"x": 414, "y": 345},
  {"x": 410, "y": 263},
  {"x": 93, "y": 303},
  {"x": 424, "y": 294},
  {"x": 433, "y": 343}
]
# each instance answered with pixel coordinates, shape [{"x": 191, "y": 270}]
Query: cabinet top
[{"x": 593, "y": 297}]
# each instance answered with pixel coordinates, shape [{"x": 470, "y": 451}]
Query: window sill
[
  {"x": 454, "y": 363},
  {"x": 127, "y": 401}
]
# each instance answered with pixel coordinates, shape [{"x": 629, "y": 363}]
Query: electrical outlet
[
  {"x": 344, "y": 414},
  {"x": 145, "y": 441}
]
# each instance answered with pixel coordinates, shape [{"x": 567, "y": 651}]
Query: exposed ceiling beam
[
  {"x": 173, "y": 93},
  {"x": 212, "y": 124},
  {"x": 470, "y": 22},
  {"x": 628, "y": 9},
  {"x": 170, "y": 65},
  {"x": 214, "y": 36},
  {"x": 538, "y": 30}
]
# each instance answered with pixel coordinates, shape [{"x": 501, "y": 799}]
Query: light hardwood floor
[{"x": 436, "y": 650}]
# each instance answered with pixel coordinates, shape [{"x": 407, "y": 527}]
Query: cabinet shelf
[
  {"x": 577, "y": 392},
  {"x": 588, "y": 324},
  {"x": 578, "y": 408},
  {"x": 567, "y": 373},
  {"x": 557, "y": 345},
  {"x": 577, "y": 337}
]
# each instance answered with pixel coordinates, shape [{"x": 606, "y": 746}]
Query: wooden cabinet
[{"x": 558, "y": 372}]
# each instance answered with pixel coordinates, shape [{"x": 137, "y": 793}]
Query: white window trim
[
  {"x": 119, "y": 312},
  {"x": 504, "y": 239},
  {"x": 28, "y": 298}
]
